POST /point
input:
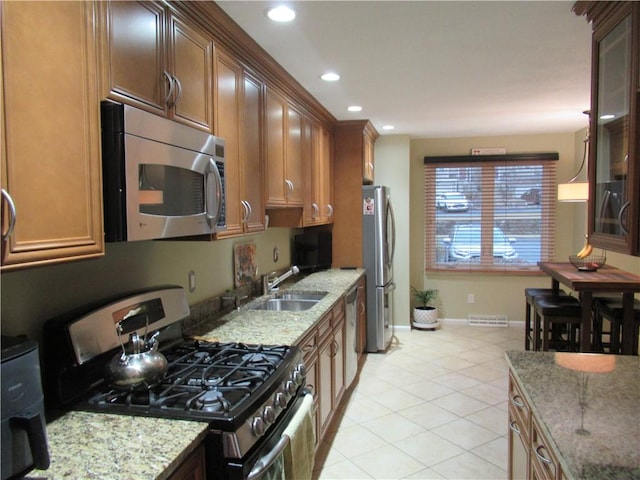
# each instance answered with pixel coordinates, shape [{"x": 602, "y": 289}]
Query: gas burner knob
[
  {"x": 257, "y": 426},
  {"x": 280, "y": 400},
  {"x": 268, "y": 414},
  {"x": 301, "y": 368},
  {"x": 297, "y": 377},
  {"x": 290, "y": 387}
]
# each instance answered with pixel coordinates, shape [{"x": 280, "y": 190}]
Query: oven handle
[{"x": 263, "y": 464}]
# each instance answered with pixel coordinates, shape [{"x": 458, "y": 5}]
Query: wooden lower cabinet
[
  {"x": 193, "y": 468},
  {"x": 531, "y": 455},
  {"x": 309, "y": 347},
  {"x": 544, "y": 465},
  {"x": 518, "y": 449},
  {"x": 323, "y": 351}
]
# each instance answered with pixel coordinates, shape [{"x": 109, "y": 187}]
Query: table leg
[
  {"x": 555, "y": 286},
  {"x": 627, "y": 323},
  {"x": 586, "y": 299}
]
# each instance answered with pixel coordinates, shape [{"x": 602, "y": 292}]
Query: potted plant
[{"x": 425, "y": 315}]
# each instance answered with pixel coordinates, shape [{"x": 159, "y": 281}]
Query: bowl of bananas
[
  {"x": 586, "y": 260},
  {"x": 588, "y": 263}
]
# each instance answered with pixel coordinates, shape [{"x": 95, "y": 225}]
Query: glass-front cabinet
[{"x": 614, "y": 167}]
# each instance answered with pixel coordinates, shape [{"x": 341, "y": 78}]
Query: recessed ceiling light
[
  {"x": 388, "y": 127},
  {"x": 281, "y": 13},
  {"x": 354, "y": 108},
  {"x": 330, "y": 77}
]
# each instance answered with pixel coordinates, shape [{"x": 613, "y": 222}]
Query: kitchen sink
[
  {"x": 301, "y": 296},
  {"x": 281, "y": 304},
  {"x": 289, "y": 302}
]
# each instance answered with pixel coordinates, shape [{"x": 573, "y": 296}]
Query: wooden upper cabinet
[
  {"x": 614, "y": 147},
  {"x": 284, "y": 153},
  {"x": 253, "y": 158},
  {"x": 367, "y": 158},
  {"x": 353, "y": 150},
  {"x": 49, "y": 118},
  {"x": 318, "y": 207},
  {"x": 294, "y": 192},
  {"x": 156, "y": 60},
  {"x": 191, "y": 66},
  {"x": 238, "y": 121}
]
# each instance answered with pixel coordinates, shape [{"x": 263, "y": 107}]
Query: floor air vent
[{"x": 488, "y": 321}]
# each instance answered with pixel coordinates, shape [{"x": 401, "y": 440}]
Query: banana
[{"x": 586, "y": 251}]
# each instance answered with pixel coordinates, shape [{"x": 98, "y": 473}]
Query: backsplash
[{"x": 32, "y": 296}]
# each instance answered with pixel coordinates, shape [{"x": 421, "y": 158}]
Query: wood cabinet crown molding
[{"x": 237, "y": 42}]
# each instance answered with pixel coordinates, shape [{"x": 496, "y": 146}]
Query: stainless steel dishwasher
[{"x": 351, "y": 337}]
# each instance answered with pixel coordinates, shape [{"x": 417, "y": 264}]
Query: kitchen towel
[
  {"x": 298, "y": 454},
  {"x": 275, "y": 471}
]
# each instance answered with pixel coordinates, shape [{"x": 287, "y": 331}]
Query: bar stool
[
  {"x": 557, "y": 314},
  {"x": 611, "y": 309},
  {"x": 530, "y": 332}
]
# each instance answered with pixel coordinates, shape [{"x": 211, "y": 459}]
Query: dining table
[{"x": 606, "y": 279}]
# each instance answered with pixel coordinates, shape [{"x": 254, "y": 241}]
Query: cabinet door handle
[
  {"x": 335, "y": 348},
  {"x": 620, "y": 221},
  {"x": 179, "y": 92},
  {"x": 308, "y": 347},
  {"x": 244, "y": 211},
  {"x": 316, "y": 211},
  {"x": 516, "y": 402},
  {"x": 540, "y": 456},
  {"x": 250, "y": 210},
  {"x": 169, "y": 78},
  {"x": 514, "y": 428},
  {"x": 12, "y": 214},
  {"x": 329, "y": 210}
]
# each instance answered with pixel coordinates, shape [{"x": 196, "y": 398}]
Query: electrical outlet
[
  {"x": 192, "y": 281},
  {"x": 470, "y": 298}
]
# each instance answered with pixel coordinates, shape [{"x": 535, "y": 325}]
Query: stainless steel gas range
[{"x": 248, "y": 394}]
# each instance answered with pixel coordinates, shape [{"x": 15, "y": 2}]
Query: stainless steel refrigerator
[{"x": 378, "y": 237}]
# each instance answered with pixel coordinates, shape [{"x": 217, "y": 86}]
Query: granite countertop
[
  {"x": 612, "y": 414},
  {"x": 280, "y": 327},
  {"x": 85, "y": 445}
]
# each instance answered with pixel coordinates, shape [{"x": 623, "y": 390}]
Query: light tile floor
[{"x": 433, "y": 407}]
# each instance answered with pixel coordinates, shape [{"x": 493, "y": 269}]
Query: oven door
[{"x": 261, "y": 458}]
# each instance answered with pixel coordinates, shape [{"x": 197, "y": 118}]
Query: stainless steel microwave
[{"x": 161, "y": 179}]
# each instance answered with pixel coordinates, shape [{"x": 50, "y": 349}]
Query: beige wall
[
  {"x": 29, "y": 297},
  {"x": 392, "y": 169}
]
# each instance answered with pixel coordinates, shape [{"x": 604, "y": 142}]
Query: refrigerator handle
[{"x": 393, "y": 231}]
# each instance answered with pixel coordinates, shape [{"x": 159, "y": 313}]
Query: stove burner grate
[{"x": 203, "y": 377}]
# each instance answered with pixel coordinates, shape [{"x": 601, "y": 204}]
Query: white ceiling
[{"x": 436, "y": 68}]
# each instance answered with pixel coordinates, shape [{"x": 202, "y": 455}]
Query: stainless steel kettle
[{"x": 139, "y": 366}]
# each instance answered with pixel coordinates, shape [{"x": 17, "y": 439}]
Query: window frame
[{"x": 487, "y": 264}]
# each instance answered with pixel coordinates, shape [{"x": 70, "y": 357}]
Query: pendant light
[{"x": 573, "y": 191}]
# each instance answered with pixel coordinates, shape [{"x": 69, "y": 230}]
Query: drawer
[
  {"x": 324, "y": 327},
  {"x": 543, "y": 460},
  {"x": 518, "y": 405},
  {"x": 309, "y": 346}
]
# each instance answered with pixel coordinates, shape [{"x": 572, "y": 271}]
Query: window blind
[{"x": 492, "y": 214}]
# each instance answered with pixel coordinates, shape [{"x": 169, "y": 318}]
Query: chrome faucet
[{"x": 271, "y": 281}]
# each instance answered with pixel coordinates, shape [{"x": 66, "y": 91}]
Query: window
[{"x": 489, "y": 213}]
